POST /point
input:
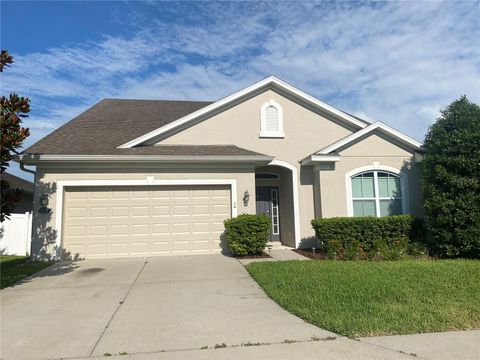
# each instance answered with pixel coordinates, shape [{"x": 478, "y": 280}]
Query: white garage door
[{"x": 102, "y": 222}]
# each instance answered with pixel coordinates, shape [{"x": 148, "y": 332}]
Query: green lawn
[
  {"x": 15, "y": 268},
  {"x": 365, "y": 298}
]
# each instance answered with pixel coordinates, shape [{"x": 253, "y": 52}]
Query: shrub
[
  {"x": 417, "y": 249},
  {"x": 334, "y": 249},
  {"x": 451, "y": 180},
  {"x": 352, "y": 250},
  {"x": 247, "y": 234},
  {"x": 368, "y": 237}
]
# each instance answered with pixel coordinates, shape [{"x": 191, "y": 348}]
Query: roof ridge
[{"x": 158, "y": 100}]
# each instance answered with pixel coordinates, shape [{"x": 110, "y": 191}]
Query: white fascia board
[
  {"x": 318, "y": 103},
  {"x": 239, "y": 94},
  {"x": 140, "y": 158},
  {"x": 397, "y": 135},
  {"x": 320, "y": 159}
]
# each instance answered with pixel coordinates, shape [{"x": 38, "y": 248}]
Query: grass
[
  {"x": 15, "y": 268},
  {"x": 365, "y": 298}
]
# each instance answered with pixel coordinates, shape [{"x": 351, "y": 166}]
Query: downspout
[{"x": 23, "y": 168}]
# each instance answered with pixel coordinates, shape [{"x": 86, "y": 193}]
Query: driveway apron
[
  {"x": 94, "y": 307},
  {"x": 198, "y": 301}
]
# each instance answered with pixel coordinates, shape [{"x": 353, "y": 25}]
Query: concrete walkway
[
  {"x": 282, "y": 254},
  {"x": 457, "y": 345}
]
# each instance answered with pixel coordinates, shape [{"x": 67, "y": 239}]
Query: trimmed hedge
[
  {"x": 389, "y": 237},
  {"x": 247, "y": 234}
]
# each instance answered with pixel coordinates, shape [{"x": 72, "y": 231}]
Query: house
[
  {"x": 26, "y": 187},
  {"x": 16, "y": 229},
  {"x": 147, "y": 177}
]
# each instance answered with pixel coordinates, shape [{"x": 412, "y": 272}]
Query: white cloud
[{"x": 394, "y": 62}]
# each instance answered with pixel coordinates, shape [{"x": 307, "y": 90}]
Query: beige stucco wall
[
  {"x": 321, "y": 192},
  {"x": 305, "y": 133},
  {"x": 373, "y": 149},
  {"x": 45, "y": 228}
]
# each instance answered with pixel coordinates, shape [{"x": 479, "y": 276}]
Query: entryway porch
[{"x": 274, "y": 197}]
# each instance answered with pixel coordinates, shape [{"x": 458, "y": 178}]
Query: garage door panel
[
  {"x": 161, "y": 210},
  {"x": 99, "y": 212},
  {"x": 181, "y": 229},
  {"x": 120, "y": 212},
  {"x": 140, "y": 211},
  {"x": 140, "y": 230},
  {"x": 140, "y": 247},
  {"x": 161, "y": 229},
  {"x": 78, "y": 212},
  {"x": 98, "y": 195},
  {"x": 201, "y": 228},
  {"x": 181, "y": 210},
  {"x": 98, "y": 230},
  {"x": 119, "y": 230},
  {"x": 220, "y": 210},
  {"x": 161, "y": 220}
]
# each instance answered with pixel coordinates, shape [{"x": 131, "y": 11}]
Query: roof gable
[
  {"x": 268, "y": 83},
  {"x": 386, "y": 130}
]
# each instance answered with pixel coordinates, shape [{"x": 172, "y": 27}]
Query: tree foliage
[
  {"x": 451, "y": 178},
  {"x": 13, "y": 109}
]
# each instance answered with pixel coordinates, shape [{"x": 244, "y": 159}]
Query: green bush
[
  {"x": 353, "y": 238},
  {"x": 247, "y": 234},
  {"x": 334, "y": 249},
  {"x": 451, "y": 180}
]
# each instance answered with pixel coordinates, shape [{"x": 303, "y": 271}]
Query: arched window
[
  {"x": 271, "y": 120},
  {"x": 377, "y": 193},
  {"x": 267, "y": 176}
]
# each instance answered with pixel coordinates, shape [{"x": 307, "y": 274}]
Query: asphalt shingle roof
[
  {"x": 16, "y": 182},
  {"x": 113, "y": 122}
]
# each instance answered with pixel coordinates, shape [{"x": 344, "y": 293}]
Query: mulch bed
[
  {"x": 263, "y": 255},
  {"x": 309, "y": 253}
]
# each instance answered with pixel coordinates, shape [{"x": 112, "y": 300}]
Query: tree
[
  {"x": 451, "y": 180},
  {"x": 13, "y": 109}
]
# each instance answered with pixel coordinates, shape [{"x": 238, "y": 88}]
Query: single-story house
[{"x": 155, "y": 177}]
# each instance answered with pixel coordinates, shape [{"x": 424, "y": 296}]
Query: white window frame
[
  {"x": 271, "y": 134},
  {"x": 275, "y": 207},
  {"x": 375, "y": 168}
]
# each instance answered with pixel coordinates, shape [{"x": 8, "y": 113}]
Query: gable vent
[{"x": 271, "y": 119}]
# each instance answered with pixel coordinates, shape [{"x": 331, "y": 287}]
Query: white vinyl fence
[{"x": 16, "y": 234}]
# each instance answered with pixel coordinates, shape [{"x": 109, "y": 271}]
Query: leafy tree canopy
[
  {"x": 451, "y": 179},
  {"x": 13, "y": 109}
]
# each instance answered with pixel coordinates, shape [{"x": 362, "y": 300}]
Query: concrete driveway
[
  {"x": 91, "y": 308},
  {"x": 160, "y": 308}
]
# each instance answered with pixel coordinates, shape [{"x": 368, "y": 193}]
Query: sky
[{"x": 396, "y": 62}]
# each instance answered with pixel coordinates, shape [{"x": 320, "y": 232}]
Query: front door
[{"x": 267, "y": 201}]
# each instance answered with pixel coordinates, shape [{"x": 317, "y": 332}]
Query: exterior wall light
[
  {"x": 44, "y": 203},
  {"x": 44, "y": 200},
  {"x": 246, "y": 198}
]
